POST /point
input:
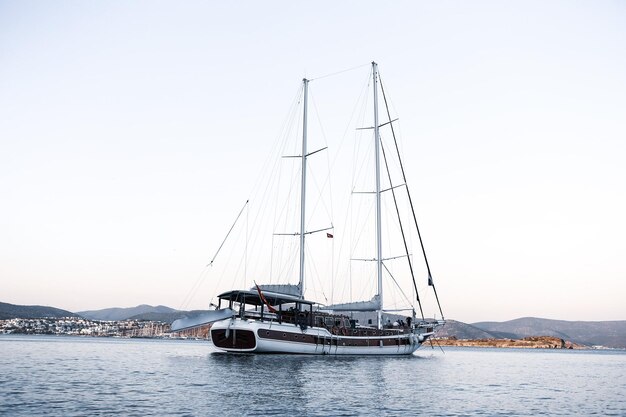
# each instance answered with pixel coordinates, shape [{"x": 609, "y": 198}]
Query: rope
[
  {"x": 339, "y": 72},
  {"x": 430, "y": 280}
]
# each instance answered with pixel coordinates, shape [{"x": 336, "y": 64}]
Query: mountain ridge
[
  {"x": 10, "y": 311},
  {"x": 606, "y": 333},
  {"x": 125, "y": 313}
]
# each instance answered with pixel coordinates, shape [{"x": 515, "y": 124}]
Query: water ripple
[{"x": 51, "y": 376}]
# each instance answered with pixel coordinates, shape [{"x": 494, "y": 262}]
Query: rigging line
[
  {"x": 285, "y": 127},
  {"x": 236, "y": 274},
  {"x": 328, "y": 168},
  {"x": 358, "y": 168},
  {"x": 362, "y": 230},
  {"x": 245, "y": 267},
  {"x": 221, "y": 277},
  {"x": 397, "y": 285},
  {"x": 406, "y": 248},
  {"x": 285, "y": 208},
  {"x": 316, "y": 274},
  {"x": 331, "y": 166},
  {"x": 327, "y": 180},
  {"x": 279, "y": 168},
  {"x": 289, "y": 262},
  {"x": 278, "y": 175},
  {"x": 228, "y": 234},
  {"x": 430, "y": 279},
  {"x": 271, "y": 259},
  {"x": 356, "y": 115},
  {"x": 345, "y": 242},
  {"x": 359, "y": 100},
  {"x": 225, "y": 273},
  {"x": 275, "y": 177},
  {"x": 339, "y": 72},
  {"x": 269, "y": 173},
  {"x": 437, "y": 342},
  {"x": 277, "y": 148},
  {"x": 318, "y": 201},
  {"x": 193, "y": 289},
  {"x": 332, "y": 269}
]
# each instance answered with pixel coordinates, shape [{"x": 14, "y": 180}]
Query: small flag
[
  {"x": 262, "y": 297},
  {"x": 328, "y": 235}
]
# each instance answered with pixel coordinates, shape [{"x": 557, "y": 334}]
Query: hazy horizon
[
  {"x": 131, "y": 132},
  {"x": 447, "y": 318}
]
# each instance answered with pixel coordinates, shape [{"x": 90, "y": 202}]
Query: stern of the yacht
[{"x": 233, "y": 335}]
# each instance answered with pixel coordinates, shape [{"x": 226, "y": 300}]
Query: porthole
[
  {"x": 267, "y": 333},
  {"x": 284, "y": 334}
]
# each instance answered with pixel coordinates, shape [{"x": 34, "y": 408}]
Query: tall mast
[
  {"x": 379, "y": 251},
  {"x": 303, "y": 186}
]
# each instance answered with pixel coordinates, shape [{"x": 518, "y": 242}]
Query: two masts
[{"x": 278, "y": 319}]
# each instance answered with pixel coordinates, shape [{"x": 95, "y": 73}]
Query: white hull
[{"x": 253, "y": 336}]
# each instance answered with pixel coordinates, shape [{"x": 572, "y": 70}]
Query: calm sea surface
[{"x": 71, "y": 376}]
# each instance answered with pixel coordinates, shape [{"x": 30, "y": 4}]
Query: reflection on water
[
  {"x": 322, "y": 385},
  {"x": 78, "y": 376}
]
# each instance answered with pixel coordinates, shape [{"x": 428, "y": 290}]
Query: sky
[{"x": 130, "y": 133}]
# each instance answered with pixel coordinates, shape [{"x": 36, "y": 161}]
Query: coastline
[{"x": 532, "y": 342}]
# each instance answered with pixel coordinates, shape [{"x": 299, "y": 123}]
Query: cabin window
[{"x": 330, "y": 321}]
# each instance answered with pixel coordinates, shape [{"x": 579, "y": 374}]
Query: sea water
[{"x": 74, "y": 376}]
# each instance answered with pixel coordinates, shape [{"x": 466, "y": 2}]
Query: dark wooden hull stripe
[{"x": 400, "y": 340}]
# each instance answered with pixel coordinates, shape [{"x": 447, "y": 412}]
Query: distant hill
[
  {"x": 12, "y": 311},
  {"x": 605, "y": 333},
  {"x": 140, "y": 312},
  {"x": 462, "y": 330},
  {"x": 166, "y": 317}
]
